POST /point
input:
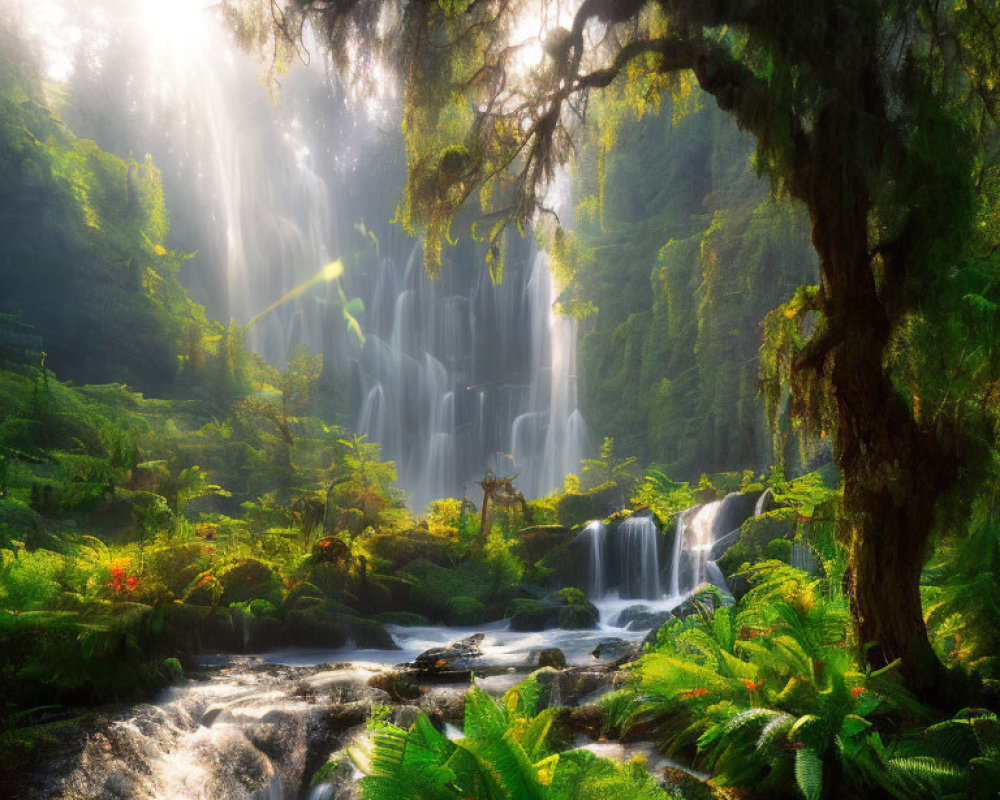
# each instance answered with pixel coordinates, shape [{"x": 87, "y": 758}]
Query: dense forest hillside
[{"x": 678, "y": 252}]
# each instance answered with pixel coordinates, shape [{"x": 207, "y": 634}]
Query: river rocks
[
  {"x": 398, "y": 685},
  {"x": 681, "y": 783},
  {"x": 461, "y": 655},
  {"x": 614, "y": 650},
  {"x": 446, "y": 703},
  {"x": 552, "y": 657}
]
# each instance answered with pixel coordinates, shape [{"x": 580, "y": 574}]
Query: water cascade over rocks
[{"x": 628, "y": 560}]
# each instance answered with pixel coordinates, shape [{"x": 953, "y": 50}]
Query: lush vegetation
[{"x": 165, "y": 492}]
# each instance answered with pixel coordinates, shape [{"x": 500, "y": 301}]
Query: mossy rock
[
  {"x": 755, "y": 534},
  {"x": 551, "y": 657},
  {"x": 328, "y": 627},
  {"x": 404, "y": 618},
  {"x": 528, "y": 615},
  {"x": 578, "y": 508},
  {"x": 539, "y": 540},
  {"x": 250, "y": 579},
  {"x": 779, "y": 550},
  {"x": 304, "y": 595},
  {"x": 334, "y": 580},
  {"x": 400, "y": 549},
  {"x": 464, "y": 610},
  {"x": 578, "y": 616}
]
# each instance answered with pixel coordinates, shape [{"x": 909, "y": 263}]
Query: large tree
[{"x": 878, "y": 116}]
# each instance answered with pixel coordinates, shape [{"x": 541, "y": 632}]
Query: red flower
[
  {"x": 694, "y": 693},
  {"x": 132, "y": 581},
  {"x": 857, "y": 690},
  {"x": 751, "y": 686}
]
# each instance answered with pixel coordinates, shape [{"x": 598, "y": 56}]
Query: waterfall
[
  {"x": 761, "y": 505},
  {"x": 624, "y": 558},
  {"x": 595, "y": 534},
  {"x": 456, "y": 375},
  {"x": 640, "y": 564},
  {"x": 459, "y": 372}
]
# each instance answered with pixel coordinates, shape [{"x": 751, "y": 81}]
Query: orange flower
[
  {"x": 751, "y": 686},
  {"x": 694, "y": 693},
  {"x": 857, "y": 690}
]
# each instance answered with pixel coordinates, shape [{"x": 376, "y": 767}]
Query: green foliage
[
  {"x": 768, "y": 692},
  {"x": 668, "y": 367},
  {"x": 504, "y": 753}
]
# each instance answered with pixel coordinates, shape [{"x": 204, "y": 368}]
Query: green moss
[
  {"x": 249, "y": 580},
  {"x": 462, "y": 610}
]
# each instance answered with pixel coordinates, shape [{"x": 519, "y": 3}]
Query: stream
[{"x": 258, "y": 727}]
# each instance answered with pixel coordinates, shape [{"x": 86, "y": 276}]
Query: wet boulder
[
  {"x": 568, "y": 609},
  {"x": 398, "y": 685},
  {"x": 526, "y": 614},
  {"x": 461, "y": 655},
  {"x": 551, "y": 657},
  {"x": 614, "y": 650}
]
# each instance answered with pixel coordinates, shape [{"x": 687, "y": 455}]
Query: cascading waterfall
[
  {"x": 457, "y": 372},
  {"x": 624, "y": 559},
  {"x": 640, "y": 565},
  {"x": 595, "y": 534},
  {"x": 453, "y": 373}
]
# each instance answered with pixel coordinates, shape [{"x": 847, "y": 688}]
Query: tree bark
[{"x": 893, "y": 470}]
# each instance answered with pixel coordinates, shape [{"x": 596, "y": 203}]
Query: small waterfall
[
  {"x": 625, "y": 559},
  {"x": 640, "y": 561},
  {"x": 677, "y": 553},
  {"x": 701, "y": 539},
  {"x": 595, "y": 534},
  {"x": 245, "y": 733},
  {"x": 761, "y": 505}
]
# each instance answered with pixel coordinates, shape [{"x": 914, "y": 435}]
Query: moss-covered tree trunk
[{"x": 893, "y": 469}]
